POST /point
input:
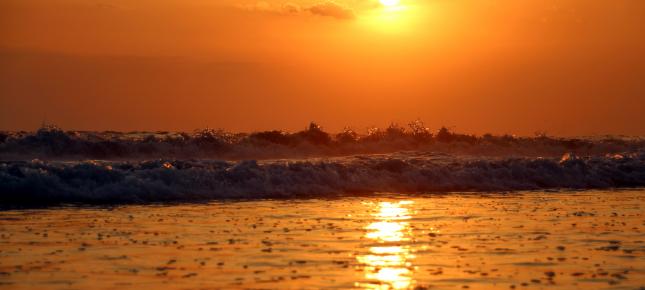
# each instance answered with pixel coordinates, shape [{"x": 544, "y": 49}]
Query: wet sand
[{"x": 531, "y": 240}]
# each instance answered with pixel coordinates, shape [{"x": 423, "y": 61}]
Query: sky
[{"x": 564, "y": 67}]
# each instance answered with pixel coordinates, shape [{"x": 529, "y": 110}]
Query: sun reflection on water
[{"x": 388, "y": 264}]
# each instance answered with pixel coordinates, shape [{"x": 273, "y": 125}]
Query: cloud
[
  {"x": 259, "y": 6},
  {"x": 331, "y": 9},
  {"x": 291, "y": 8},
  {"x": 326, "y": 9}
]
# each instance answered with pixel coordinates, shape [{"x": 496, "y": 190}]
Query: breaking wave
[
  {"x": 108, "y": 182},
  {"x": 52, "y": 143}
]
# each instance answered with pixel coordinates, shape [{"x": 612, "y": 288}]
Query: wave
[
  {"x": 109, "y": 182},
  {"x": 51, "y": 142}
]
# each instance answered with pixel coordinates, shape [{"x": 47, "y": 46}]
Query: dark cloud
[
  {"x": 326, "y": 8},
  {"x": 331, "y": 9},
  {"x": 291, "y": 8}
]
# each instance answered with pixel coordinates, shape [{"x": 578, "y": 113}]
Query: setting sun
[{"x": 390, "y": 3}]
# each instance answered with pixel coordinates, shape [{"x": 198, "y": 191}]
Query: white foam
[{"x": 45, "y": 182}]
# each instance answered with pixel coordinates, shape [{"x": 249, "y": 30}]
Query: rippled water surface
[{"x": 563, "y": 240}]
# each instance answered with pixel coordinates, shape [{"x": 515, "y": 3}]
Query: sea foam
[{"x": 108, "y": 182}]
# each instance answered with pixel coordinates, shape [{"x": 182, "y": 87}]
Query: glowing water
[{"x": 585, "y": 240}]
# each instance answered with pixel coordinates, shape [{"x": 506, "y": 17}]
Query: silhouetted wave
[
  {"x": 108, "y": 182},
  {"x": 52, "y": 143}
]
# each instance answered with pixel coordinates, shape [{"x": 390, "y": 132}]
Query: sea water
[{"x": 522, "y": 240}]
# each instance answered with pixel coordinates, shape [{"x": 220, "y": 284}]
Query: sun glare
[
  {"x": 393, "y": 17},
  {"x": 390, "y": 3}
]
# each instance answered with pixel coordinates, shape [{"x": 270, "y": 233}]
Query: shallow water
[{"x": 551, "y": 240}]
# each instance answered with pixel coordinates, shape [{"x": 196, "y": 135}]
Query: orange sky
[{"x": 567, "y": 67}]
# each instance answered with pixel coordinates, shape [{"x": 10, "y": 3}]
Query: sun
[{"x": 390, "y": 3}]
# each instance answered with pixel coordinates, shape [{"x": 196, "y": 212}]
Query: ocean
[
  {"x": 531, "y": 239},
  {"x": 275, "y": 210}
]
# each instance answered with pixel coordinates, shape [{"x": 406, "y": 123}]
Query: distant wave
[
  {"x": 52, "y": 143},
  {"x": 103, "y": 182}
]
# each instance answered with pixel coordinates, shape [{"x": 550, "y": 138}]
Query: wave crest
[
  {"x": 51, "y": 142},
  {"x": 101, "y": 182}
]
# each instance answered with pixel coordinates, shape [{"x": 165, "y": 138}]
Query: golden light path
[{"x": 388, "y": 265}]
